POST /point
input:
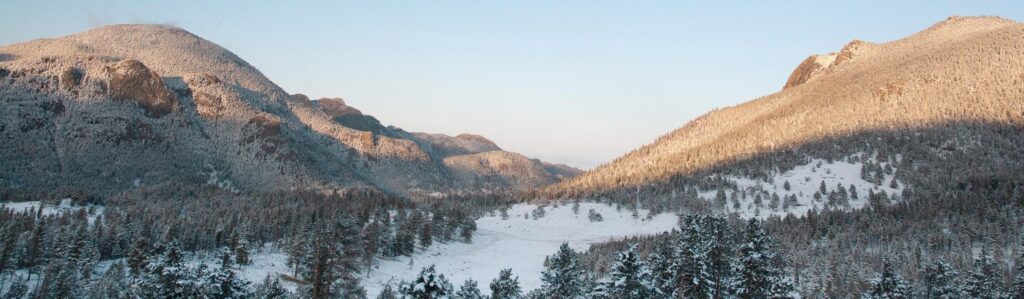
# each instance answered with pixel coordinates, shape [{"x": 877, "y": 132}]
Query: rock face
[
  {"x": 143, "y": 106},
  {"x": 809, "y": 69},
  {"x": 959, "y": 71},
  {"x": 130, "y": 80}
]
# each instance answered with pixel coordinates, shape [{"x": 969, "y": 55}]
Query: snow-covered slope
[{"x": 804, "y": 181}]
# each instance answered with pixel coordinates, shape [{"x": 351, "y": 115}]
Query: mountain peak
[{"x": 168, "y": 50}]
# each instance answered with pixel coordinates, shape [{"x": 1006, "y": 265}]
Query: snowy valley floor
[{"x": 518, "y": 242}]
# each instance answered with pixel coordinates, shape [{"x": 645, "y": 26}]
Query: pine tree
[
  {"x": 888, "y": 284},
  {"x": 756, "y": 275},
  {"x": 241, "y": 251},
  {"x": 664, "y": 264},
  {"x": 704, "y": 252},
  {"x": 505, "y": 286},
  {"x": 428, "y": 285},
  {"x": 467, "y": 229},
  {"x": 469, "y": 290},
  {"x": 629, "y": 278},
  {"x": 984, "y": 281},
  {"x": 1018, "y": 281},
  {"x": 223, "y": 283},
  {"x": 720, "y": 199},
  {"x": 113, "y": 283},
  {"x": 564, "y": 277},
  {"x": 166, "y": 275},
  {"x": 137, "y": 255},
  {"x": 941, "y": 281},
  {"x": 270, "y": 288},
  {"x": 426, "y": 238}
]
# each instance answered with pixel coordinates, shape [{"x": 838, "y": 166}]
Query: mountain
[
  {"x": 147, "y": 106},
  {"x": 952, "y": 90}
]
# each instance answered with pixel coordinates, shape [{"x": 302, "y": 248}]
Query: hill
[
  {"x": 147, "y": 106},
  {"x": 953, "y": 88}
]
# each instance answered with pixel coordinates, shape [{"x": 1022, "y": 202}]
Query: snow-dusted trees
[
  {"x": 941, "y": 281},
  {"x": 630, "y": 278},
  {"x": 664, "y": 264},
  {"x": 704, "y": 252},
  {"x": 756, "y": 274},
  {"x": 564, "y": 277},
  {"x": 223, "y": 283},
  {"x": 888, "y": 285},
  {"x": 427, "y": 285},
  {"x": 506, "y": 286},
  {"x": 469, "y": 290},
  {"x": 1018, "y": 280},
  {"x": 166, "y": 276},
  {"x": 270, "y": 288},
  {"x": 985, "y": 280}
]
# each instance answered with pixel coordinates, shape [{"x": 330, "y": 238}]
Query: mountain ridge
[
  {"x": 154, "y": 106},
  {"x": 972, "y": 61}
]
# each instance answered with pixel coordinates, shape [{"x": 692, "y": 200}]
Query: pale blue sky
[{"x": 580, "y": 82}]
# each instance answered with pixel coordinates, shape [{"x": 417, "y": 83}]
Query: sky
[{"x": 576, "y": 82}]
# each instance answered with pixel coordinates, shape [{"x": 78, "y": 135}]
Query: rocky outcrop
[{"x": 130, "y": 80}]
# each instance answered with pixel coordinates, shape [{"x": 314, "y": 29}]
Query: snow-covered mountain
[
  {"x": 946, "y": 100},
  {"x": 139, "y": 106}
]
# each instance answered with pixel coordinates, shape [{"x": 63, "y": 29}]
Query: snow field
[{"x": 518, "y": 243}]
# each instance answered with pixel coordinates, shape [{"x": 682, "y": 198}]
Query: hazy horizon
[{"x": 572, "y": 82}]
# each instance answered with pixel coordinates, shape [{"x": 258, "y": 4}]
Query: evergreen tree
[
  {"x": 505, "y": 286},
  {"x": 1018, "y": 281},
  {"x": 564, "y": 277},
  {"x": 756, "y": 275},
  {"x": 270, "y": 288},
  {"x": 426, "y": 238},
  {"x": 629, "y": 278},
  {"x": 888, "y": 284},
  {"x": 223, "y": 283},
  {"x": 428, "y": 285},
  {"x": 985, "y": 281},
  {"x": 941, "y": 281},
  {"x": 704, "y": 257},
  {"x": 469, "y": 290},
  {"x": 241, "y": 251},
  {"x": 467, "y": 229},
  {"x": 166, "y": 275},
  {"x": 113, "y": 283},
  {"x": 137, "y": 256},
  {"x": 664, "y": 264}
]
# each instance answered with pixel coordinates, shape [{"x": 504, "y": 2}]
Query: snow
[
  {"x": 65, "y": 206},
  {"x": 804, "y": 181},
  {"x": 517, "y": 243}
]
